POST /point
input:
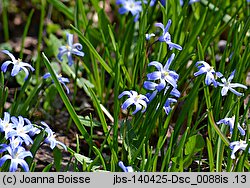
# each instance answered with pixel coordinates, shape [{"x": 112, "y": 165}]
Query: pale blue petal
[
  {"x": 5, "y": 65},
  {"x": 150, "y": 85},
  {"x": 127, "y": 103},
  {"x": 15, "y": 70},
  {"x": 10, "y": 55},
  {"x": 154, "y": 75},
  {"x": 137, "y": 108},
  {"x": 235, "y": 92},
  {"x": 169, "y": 61},
  {"x": 125, "y": 93},
  {"x": 157, "y": 65},
  {"x": 224, "y": 91}
]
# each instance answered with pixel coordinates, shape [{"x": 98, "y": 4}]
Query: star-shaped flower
[
  {"x": 140, "y": 101},
  {"x": 211, "y": 75},
  {"x": 166, "y": 37},
  {"x": 130, "y": 6},
  {"x": 163, "y": 74},
  {"x": 61, "y": 79},
  {"x": 230, "y": 122},
  {"x": 70, "y": 49},
  {"x": 18, "y": 65},
  {"x": 227, "y": 85},
  {"x": 237, "y": 145}
]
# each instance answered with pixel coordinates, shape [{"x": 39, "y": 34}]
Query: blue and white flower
[
  {"x": 163, "y": 74},
  {"x": 227, "y": 85},
  {"x": 51, "y": 137},
  {"x": 5, "y": 125},
  {"x": 21, "y": 130},
  {"x": 61, "y": 79},
  {"x": 168, "y": 105},
  {"x": 166, "y": 37},
  {"x": 18, "y": 65},
  {"x": 132, "y": 6},
  {"x": 230, "y": 122},
  {"x": 125, "y": 168},
  {"x": 237, "y": 145},
  {"x": 70, "y": 49},
  {"x": 16, "y": 156},
  {"x": 138, "y": 100},
  {"x": 211, "y": 75}
]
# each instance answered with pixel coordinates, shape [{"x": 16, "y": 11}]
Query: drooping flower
[
  {"x": 18, "y": 65},
  {"x": 16, "y": 156},
  {"x": 211, "y": 75},
  {"x": 166, "y": 37},
  {"x": 168, "y": 105},
  {"x": 132, "y": 6},
  {"x": 237, "y": 145},
  {"x": 230, "y": 122},
  {"x": 21, "y": 130},
  {"x": 227, "y": 85},
  {"x": 61, "y": 79},
  {"x": 50, "y": 139},
  {"x": 125, "y": 168},
  {"x": 70, "y": 49},
  {"x": 140, "y": 101},
  {"x": 163, "y": 74}
]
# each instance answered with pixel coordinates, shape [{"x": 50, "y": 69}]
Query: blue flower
[
  {"x": 164, "y": 75},
  {"x": 154, "y": 87},
  {"x": 125, "y": 168},
  {"x": 61, "y": 79},
  {"x": 166, "y": 37},
  {"x": 21, "y": 130},
  {"x": 50, "y": 139},
  {"x": 70, "y": 49},
  {"x": 140, "y": 101},
  {"x": 18, "y": 65},
  {"x": 230, "y": 122},
  {"x": 130, "y": 6},
  {"x": 5, "y": 125},
  {"x": 211, "y": 75},
  {"x": 168, "y": 105},
  {"x": 16, "y": 155},
  {"x": 237, "y": 145},
  {"x": 227, "y": 85}
]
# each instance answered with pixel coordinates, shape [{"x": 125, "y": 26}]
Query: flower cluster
[
  {"x": 212, "y": 76},
  {"x": 18, "y": 133},
  {"x": 160, "y": 80},
  {"x": 235, "y": 145}
]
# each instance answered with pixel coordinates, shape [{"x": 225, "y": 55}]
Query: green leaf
[
  {"x": 62, "y": 8},
  {"x": 57, "y": 158},
  {"x": 194, "y": 144}
]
